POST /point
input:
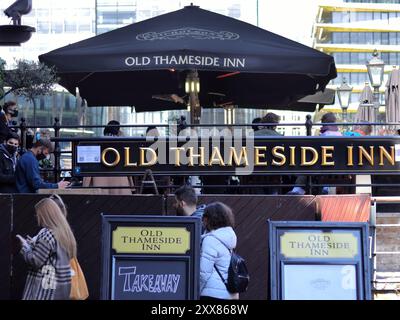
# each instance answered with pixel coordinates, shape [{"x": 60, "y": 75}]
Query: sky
[{"x": 292, "y": 19}]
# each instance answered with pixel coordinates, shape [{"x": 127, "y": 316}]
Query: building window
[
  {"x": 56, "y": 27},
  {"x": 43, "y": 27},
  {"x": 70, "y": 26},
  {"x": 84, "y": 27}
]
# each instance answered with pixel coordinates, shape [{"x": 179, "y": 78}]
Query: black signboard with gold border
[
  {"x": 225, "y": 155},
  {"x": 150, "y": 257},
  {"x": 319, "y": 261}
]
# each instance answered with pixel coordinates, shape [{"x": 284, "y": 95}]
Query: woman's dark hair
[
  {"x": 328, "y": 118},
  {"x": 112, "y": 128},
  {"x": 271, "y": 117},
  {"x": 218, "y": 216},
  {"x": 46, "y": 143}
]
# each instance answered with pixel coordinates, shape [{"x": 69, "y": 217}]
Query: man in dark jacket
[
  {"x": 9, "y": 111},
  {"x": 186, "y": 204},
  {"x": 27, "y": 172},
  {"x": 8, "y": 163}
]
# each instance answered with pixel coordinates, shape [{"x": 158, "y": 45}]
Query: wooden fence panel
[
  {"x": 345, "y": 208},
  {"x": 251, "y": 215},
  {"x": 5, "y": 246}
]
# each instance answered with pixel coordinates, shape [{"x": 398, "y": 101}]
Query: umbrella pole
[
  {"x": 376, "y": 104},
  {"x": 192, "y": 87},
  {"x": 195, "y": 109}
]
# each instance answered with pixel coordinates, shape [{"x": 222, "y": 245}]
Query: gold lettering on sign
[
  {"x": 364, "y": 153},
  {"x": 117, "y": 157},
  {"x": 326, "y": 155},
  {"x": 314, "y": 159},
  {"x": 383, "y": 153},
  {"x": 192, "y": 155},
  {"x": 238, "y": 159},
  {"x": 277, "y": 154},
  {"x": 292, "y": 156},
  {"x": 216, "y": 157},
  {"x": 258, "y": 156},
  {"x": 128, "y": 157},
  {"x": 350, "y": 156},
  {"x": 143, "y": 153},
  {"x": 177, "y": 155}
]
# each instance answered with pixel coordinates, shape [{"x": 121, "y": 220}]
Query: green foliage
[{"x": 30, "y": 79}]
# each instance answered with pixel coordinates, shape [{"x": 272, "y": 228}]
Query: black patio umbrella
[{"x": 146, "y": 63}]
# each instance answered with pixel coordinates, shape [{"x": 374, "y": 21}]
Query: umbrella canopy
[
  {"x": 237, "y": 63},
  {"x": 321, "y": 98},
  {"x": 392, "y": 97},
  {"x": 366, "y": 113}
]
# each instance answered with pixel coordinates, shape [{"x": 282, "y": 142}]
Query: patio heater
[
  {"x": 344, "y": 94},
  {"x": 192, "y": 88},
  {"x": 376, "y": 68},
  {"x": 229, "y": 115}
]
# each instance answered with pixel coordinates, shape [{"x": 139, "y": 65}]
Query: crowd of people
[
  {"x": 54, "y": 245},
  {"x": 20, "y": 171}
]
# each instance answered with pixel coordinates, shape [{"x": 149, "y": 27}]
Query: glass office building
[
  {"x": 112, "y": 14},
  {"x": 350, "y": 31},
  {"x": 59, "y": 23}
]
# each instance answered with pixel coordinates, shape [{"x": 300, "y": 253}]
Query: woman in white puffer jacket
[{"x": 216, "y": 246}]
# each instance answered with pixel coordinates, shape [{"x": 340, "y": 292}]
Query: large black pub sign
[{"x": 231, "y": 156}]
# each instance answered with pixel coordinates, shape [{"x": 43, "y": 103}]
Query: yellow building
[{"x": 350, "y": 30}]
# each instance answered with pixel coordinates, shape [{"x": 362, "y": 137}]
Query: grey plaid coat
[{"x": 49, "y": 274}]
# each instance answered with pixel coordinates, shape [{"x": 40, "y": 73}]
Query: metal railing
[{"x": 308, "y": 125}]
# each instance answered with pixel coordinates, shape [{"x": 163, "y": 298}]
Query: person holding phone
[{"x": 48, "y": 255}]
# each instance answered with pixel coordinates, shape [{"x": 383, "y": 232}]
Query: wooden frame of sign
[
  {"x": 150, "y": 257},
  {"x": 319, "y": 261}
]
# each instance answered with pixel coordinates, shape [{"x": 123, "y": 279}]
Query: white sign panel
[
  {"x": 319, "y": 282},
  {"x": 88, "y": 154},
  {"x": 397, "y": 152}
]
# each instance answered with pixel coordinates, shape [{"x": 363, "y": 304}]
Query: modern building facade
[
  {"x": 350, "y": 30},
  {"x": 59, "y": 23}
]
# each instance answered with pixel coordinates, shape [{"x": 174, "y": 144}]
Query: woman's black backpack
[{"x": 238, "y": 276}]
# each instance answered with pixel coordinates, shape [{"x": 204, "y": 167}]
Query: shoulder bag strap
[{"x": 215, "y": 267}]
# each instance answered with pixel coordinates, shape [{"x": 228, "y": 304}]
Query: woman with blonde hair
[
  {"x": 57, "y": 199},
  {"x": 48, "y": 255}
]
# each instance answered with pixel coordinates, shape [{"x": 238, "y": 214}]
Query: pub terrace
[{"x": 160, "y": 209}]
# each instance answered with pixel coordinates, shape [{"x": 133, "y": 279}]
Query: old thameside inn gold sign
[
  {"x": 154, "y": 240},
  {"x": 262, "y": 155},
  {"x": 319, "y": 245}
]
